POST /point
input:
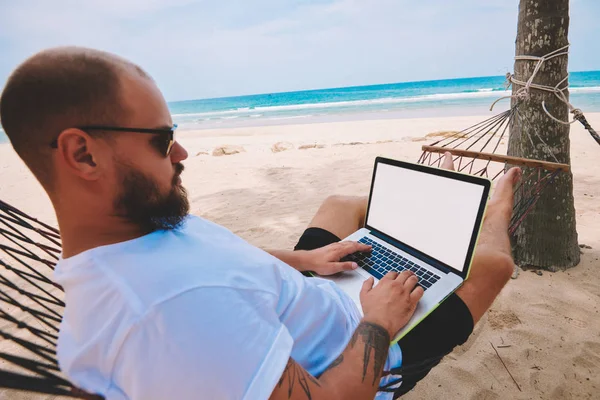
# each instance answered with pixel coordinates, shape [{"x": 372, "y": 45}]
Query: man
[{"x": 163, "y": 305}]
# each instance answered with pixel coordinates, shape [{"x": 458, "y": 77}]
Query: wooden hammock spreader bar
[{"x": 550, "y": 166}]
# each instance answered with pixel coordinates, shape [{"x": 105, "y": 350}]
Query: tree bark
[{"x": 547, "y": 238}]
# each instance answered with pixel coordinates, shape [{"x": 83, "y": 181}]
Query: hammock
[
  {"x": 476, "y": 148},
  {"x": 475, "y": 151},
  {"x": 31, "y": 306}
]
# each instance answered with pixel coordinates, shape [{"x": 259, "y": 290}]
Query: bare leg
[
  {"x": 341, "y": 215},
  {"x": 492, "y": 263}
]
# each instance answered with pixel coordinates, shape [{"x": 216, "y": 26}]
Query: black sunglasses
[{"x": 165, "y": 149}]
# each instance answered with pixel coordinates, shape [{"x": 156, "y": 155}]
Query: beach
[{"x": 544, "y": 329}]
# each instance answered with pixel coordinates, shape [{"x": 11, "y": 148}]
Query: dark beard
[{"x": 142, "y": 202}]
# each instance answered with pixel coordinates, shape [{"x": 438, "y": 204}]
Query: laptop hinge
[{"x": 412, "y": 252}]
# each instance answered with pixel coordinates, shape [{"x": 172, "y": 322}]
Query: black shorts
[{"x": 423, "y": 347}]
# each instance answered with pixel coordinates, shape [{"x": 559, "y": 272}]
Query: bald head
[{"x": 58, "y": 89}]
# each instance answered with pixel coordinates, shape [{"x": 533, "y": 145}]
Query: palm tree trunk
[{"x": 547, "y": 238}]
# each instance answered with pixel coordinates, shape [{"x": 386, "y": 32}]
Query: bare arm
[
  {"x": 295, "y": 259},
  {"x": 356, "y": 372},
  {"x": 324, "y": 260}
]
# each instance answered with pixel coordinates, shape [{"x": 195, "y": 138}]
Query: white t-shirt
[{"x": 195, "y": 312}]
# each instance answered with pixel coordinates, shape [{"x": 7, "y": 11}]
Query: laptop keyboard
[{"x": 382, "y": 260}]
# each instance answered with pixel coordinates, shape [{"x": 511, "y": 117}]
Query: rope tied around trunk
[{"x": 524, "y": 91}]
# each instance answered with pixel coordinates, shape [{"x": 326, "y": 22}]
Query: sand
[{"x": 545, "y": 328}]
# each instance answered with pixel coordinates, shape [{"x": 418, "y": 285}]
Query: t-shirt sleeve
[{"x": 216, "y": 343}]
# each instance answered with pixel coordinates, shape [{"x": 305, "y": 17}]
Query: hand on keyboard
[
  {"x": 332, "y": 259},
  {"x": 392, "y": 302},
  {"x": 381, "y": 260}
]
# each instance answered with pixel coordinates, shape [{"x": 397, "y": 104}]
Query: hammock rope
[
  {"x": 462, "y": 144},
  {"x": 524, "y": 90},
  {"x": 30, "y": 305},
  {"x": 489, "y": 134}
]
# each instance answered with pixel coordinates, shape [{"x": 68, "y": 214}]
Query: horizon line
[{"x": 351, "y": 86}]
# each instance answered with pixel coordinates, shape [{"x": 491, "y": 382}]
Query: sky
[{"x": 202, "y": 49}]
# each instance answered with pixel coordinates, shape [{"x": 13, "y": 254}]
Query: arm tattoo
[
  {"x": 295, "y": 373},
  {"x": 377, "y": 340},
  {"x": 335, "y": 363}
]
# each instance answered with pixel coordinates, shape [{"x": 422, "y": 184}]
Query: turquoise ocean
[{"x": 447, "y": 97}]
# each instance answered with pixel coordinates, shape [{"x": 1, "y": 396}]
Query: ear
[{"x": 78, "y": 152}]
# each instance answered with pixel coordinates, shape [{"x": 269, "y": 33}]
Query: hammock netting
[
  {"x": 477, "y": 151},
  {"x": 31, "y": 304}
]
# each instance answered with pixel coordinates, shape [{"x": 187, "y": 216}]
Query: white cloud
[{"x": 216, "y": 48}]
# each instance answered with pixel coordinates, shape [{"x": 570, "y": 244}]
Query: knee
[
  {"x": 509, "y": 268},
  {"x": 504, "y": 266},
  {"x": 485, "y": 282},
  {"x": 338, "y": 200},
  {"x": 350, "y": 205},
  {"x": 499, "y": 264}
]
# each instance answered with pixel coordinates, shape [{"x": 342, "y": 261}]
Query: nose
[{"x": 178, "y": 153}]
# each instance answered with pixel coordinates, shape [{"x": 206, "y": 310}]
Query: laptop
[{"x": 422, "y": 219}]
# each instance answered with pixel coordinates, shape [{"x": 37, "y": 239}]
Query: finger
[
  {"x": 503, "y": 192},
  {"x": 367, "y": 286},
  {"x": 404, "y": 276},
  {"x": 364, "y": 247},
  {"x": 351, "y": 244},
  {"x": 343, "y": 266},
  {"x": 448, "y": 163},
  {"x": 349, "y": 247},
  {"x": 411, "y": 282},
  {"x": 416, "y": 294},
  {"x": 390, "y": 276}
]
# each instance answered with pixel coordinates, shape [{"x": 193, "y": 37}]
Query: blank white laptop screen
[{"x": 433, "y": 214}]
